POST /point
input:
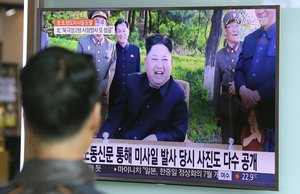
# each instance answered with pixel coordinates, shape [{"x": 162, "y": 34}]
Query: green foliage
[
  {"x": 134, "y": 37},
  {"x": 201, "y": 43},
  {"x": 163, "y": 29},
  {"x": 69, "y": 44},
  {"x": 202, "y": 127},
  {"x": 179, "y": 16},
  {"x": 115, "y": 15},
  {"x": 182, "y": 34}
]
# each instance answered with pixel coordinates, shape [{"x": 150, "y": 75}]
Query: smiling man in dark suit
[
  {"x": 152, "y": 106},
  {"x": 255, "y": 73},
  {"x": 128, "y": 59}
]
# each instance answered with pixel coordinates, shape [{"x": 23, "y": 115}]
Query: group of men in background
[
  {"x": 244, "y": 83},
  {"x": 147, "y": 106},
  {"x": 244, "y": 79}
]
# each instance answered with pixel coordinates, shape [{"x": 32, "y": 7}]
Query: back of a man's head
[{"x": 59, "y": 91}]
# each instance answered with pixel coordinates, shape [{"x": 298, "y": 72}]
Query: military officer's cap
[
  {"x": 231, "y": 16},
  {"x": 100, "y": 13}
]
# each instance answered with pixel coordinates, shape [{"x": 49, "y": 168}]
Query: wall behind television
[
  {"x": 11, "y": 36},
  {"x": 289, "y": 93}
]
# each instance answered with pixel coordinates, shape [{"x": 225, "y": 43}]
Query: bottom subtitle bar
[{"x": 192, "y": 176}]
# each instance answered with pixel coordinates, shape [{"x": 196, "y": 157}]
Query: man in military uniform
[
  {"x": 103, "y": 51},
  {"x": 255, "y": 74},
  {"x": 227, "y": 105}
]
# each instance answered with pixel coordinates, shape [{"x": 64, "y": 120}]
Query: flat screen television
[{"x": 231, "y": 96}]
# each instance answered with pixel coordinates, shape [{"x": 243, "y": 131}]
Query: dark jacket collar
[
  {"x": 163, "y": 90},
  {"x": 235, "y": 48},
  {"x": 37, "y": 172},
  {"x": 271, "y": 31},
  {"x": 120, "y": 47}
]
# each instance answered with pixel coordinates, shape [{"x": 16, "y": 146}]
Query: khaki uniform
[
  {"x": 226, "y": 107},
  {"x": 104, "y": 54}
]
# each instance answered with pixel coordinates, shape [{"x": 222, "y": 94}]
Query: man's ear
[{"x": 96, "y": 118}]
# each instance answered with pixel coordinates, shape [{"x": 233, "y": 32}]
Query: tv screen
[{"x": 214, "y": 122}]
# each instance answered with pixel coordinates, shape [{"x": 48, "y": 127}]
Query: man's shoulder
[
  {"x": 253, "y": 35},
  {"x": 109, "y": 41},
  {"x": 221, "y": 55},
  {"x": 177, "y": 87},
  {"x": 51, "y": 188},
  {"x": 221, "y": 52},
  {"x": 84, "y": 39},
  {"x": 133, "y": 47}
]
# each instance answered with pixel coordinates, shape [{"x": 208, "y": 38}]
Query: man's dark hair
[
  {"x": 120, "y": 21},
  {"x": 158, "y": 39},
  {"x": 59, "y": 91}
]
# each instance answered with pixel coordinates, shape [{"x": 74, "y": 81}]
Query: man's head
[
  {"x": 231, "y": 22},
  {"x": 266, "y": 17},
  {"x": 122, "y": 31},
  {"x": 158, "y": 62},
  {"x": 59, "y": 93},
  {"x": 99, "y": 16}
]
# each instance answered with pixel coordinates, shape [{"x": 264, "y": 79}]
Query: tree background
[{"x": 197, "y": 34}]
